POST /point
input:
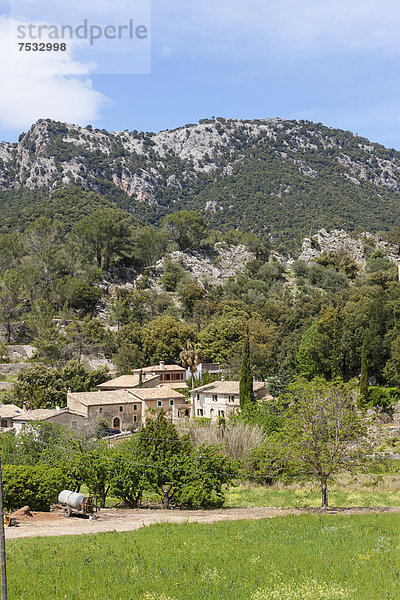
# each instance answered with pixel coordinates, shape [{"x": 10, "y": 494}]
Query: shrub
[
  {"x": 38, "y": 487},
  {"x": 384, "y": 398}
]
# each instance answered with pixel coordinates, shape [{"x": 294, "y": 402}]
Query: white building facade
[{"x": 221, "y": 398}]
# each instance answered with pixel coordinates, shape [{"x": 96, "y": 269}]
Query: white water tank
[{"x": 72, "y": 499}]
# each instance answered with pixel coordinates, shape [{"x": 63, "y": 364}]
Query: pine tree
[
  {"x": 364, "y": 373},
  {"x": 246, "y": 394}
]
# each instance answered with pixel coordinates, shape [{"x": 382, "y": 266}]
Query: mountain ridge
[{"x": 276, "y": 177}]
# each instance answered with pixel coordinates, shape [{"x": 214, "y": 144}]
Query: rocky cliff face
[
  {"x": 52, "y": 152},
  {"x": 275, "y": 175},
  {"x": 227, "y": 261},
  {"x": 358, "y": 248}
]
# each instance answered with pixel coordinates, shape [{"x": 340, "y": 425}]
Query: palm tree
[{"x": 191, "y": 358}]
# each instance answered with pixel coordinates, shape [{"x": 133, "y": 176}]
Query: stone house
[
  {"x": 117, "y": 407},
  {"x": 57, "y": 416},
  {"x": 221, "y": 398},
  {"x": 7, "y": 413},
  {"x": 164, "y": 398},
  {"x": 124, "y": 409},
  {"x": 166, "y": 373},
  {"x": 127, "y": 382}
]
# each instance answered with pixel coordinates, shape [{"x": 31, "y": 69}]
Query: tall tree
[
  {"x": 364, "y": 372},
  {"x": 10, "y": 300},
  {"x": 191, "y": 357},
  {"x": 323, "y": 431},
  {"x": 187, "y": 228},
  {"x": 104, "y": 235},
  {"x": 246, "y": 393}
]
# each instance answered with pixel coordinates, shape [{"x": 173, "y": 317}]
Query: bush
[
  {"x": 37, "y": 487},
  {"x": 384, "y": 398}
]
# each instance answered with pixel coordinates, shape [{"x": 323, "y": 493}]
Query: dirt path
[{"x": 55, "y": 524}]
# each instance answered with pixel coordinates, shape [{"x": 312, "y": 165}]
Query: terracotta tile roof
[
  {"x": 163, "y": 392},
  {"x": 101, "y": 398},
  {"x": 124, "y": 382},
  {"x": 7, "y": 411},
  {"x": 226, "y": 387},
  {"x": 40, "y": 414}
]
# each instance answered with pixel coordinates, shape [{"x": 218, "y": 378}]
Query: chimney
[
  {"x": 162, "y": 365},
  {"x": 69, "y": 391},
  {"x": 58, "y": 408},
  {"x": 24, "y": 408},
  {"x": 222, "y": 378},
  {"x": 143, "y": 376}
]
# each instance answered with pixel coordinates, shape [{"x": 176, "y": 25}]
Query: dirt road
[{"x": 55, "y": 524}]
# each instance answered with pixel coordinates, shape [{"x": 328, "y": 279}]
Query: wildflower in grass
[
  {"x": 211, "y": 575},
  {"x": 255, "y": 559},
  {"x": 309, "y": 590},
  {"x": 153, "y": 596}
]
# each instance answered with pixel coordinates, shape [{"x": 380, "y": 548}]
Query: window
[
  {"x": 134, "y": 418},
  {"x": 198, "y": 396},
  {"x": 171, "y": 402},
  {"x": 215, "y": 397},
  {"x": 121, "y": 409},
  {"x": 180, "y": 376},
  {"x": 100, "y": 409},
  {"x": 231, "y": 398},
  {"x": 159, "y": 403},
  {"x": 135, "y": 407},
  {"x": 221, "y": 413},
  {"x": 168, "y": 377},
  {"x": 74, "y": 424},
  {"x": 200, "y": 412},
  {"x": 4, "y": 422}
]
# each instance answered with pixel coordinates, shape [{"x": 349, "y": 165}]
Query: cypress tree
[
  {"x": 246, "y": 394},
  {"x": 364, "y": 373}
]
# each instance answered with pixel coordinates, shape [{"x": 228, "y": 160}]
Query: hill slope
[{"x": 275, "y": 177}]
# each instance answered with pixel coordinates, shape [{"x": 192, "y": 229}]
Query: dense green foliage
[
  {"x": 34, "y": 486},
  {"x": 287, "y": 558},
  {"x": 45, "y": 387},
  {"x": 63, "y": 291},
  {"x": 157, "y": 460}
]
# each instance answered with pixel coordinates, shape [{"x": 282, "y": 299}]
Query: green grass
[
  {"x": 297, "y": 497},
  {"x": 307, "y": 557}
]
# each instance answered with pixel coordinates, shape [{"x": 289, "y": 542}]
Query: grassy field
[
  {"x": 310, "y": 496},
  {"x": 308, "y": 557}
]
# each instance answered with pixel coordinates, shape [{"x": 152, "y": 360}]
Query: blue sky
[{"x": 333, "y": 61}]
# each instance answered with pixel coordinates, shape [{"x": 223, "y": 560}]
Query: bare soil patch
[{"x": 114, "y": 519}]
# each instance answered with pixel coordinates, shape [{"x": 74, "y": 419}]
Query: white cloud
[{"x": 45, "y": 91}]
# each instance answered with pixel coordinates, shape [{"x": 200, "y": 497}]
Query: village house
[
  {"x": 127, "y": 382},
  {"x": 166, "y": 373},
  {"x": 117, "y": 407},
  {"x": 123, "y": 409},
  {"x": 56, "y": 416},
  {"x": 221, "y": 398},
  {"x": 164, "y": 397},
  {"x": 7, "y": 413}
]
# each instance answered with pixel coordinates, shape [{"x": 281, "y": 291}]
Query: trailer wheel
[{"x": 67, "y": 512}]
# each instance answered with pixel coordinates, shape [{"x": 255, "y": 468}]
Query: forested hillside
[
  {"x": 280, "y": 179},
  {"x": 129, "y": 246}
]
